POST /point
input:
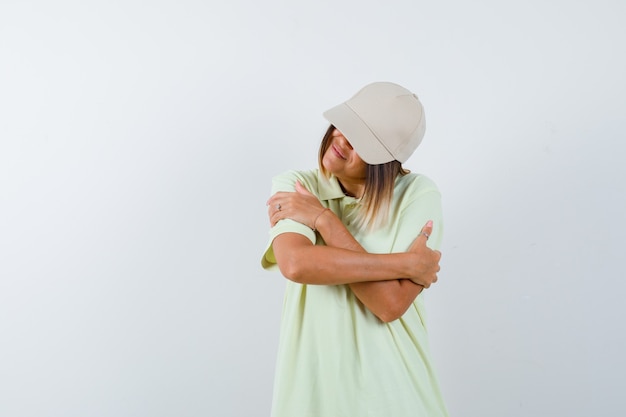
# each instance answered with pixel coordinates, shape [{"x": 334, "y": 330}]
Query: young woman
[{"x": 347, "y": 237}]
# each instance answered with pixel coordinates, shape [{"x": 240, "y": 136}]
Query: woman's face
[{"x": 342, "y": 160}]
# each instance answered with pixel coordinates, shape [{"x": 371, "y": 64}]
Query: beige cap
[{"x": 383, "y": 122}]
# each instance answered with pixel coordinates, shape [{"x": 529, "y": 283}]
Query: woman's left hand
[{"x": 301, "y": 206}]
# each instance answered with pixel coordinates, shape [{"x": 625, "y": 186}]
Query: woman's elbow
[
  {"x": 292, "y": 270},
  {"x": 396, "y": 303},
  {"x": 291, "y": 254},
  {"x": 389, "y": 315},
  {"x": 390, "y": 311}
]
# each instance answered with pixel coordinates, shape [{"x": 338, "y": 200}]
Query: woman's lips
[{"x": 338, "y": 152}]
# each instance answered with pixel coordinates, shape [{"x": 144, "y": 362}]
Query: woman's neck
[{"x": 352, "y": 189}]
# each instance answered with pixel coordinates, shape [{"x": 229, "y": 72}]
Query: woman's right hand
[
  {"x": 301, "y": 206},
  {"x": 426, "y": 261}
]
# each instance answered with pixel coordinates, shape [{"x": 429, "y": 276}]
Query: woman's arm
[
  {"x": 388, "y": 299},
  {"x": 301, "y": 261}
]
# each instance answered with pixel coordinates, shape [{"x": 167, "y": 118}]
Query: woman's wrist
[
  {"x": 318, "y": 220},
  {"x": 408, "y": 263}
]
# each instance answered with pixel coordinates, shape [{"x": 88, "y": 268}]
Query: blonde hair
[{"x": 380, "y": 181}]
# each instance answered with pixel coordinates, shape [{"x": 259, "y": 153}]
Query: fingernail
[{"x": 429, "y": 223}]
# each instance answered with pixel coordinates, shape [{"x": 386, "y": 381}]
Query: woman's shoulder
[
  {"x": 416, "y": 183},
  {"x": 286, "y": 181}
]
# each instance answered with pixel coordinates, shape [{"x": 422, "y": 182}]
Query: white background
[{"x": 137, "y": 144}]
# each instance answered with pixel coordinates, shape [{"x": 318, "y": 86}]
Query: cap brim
[{"x": 362, "y": 139}]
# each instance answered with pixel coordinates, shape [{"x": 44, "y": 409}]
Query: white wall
[{"x": 137, "y": 143}]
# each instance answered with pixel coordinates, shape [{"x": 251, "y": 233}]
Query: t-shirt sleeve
[
  {"x": 422, "y": 203},
  {"x": 268, "y": 261},
  {"x": 284, "y": 182}
]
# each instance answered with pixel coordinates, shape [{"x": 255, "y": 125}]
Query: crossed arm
[{"x": 386, "y": 284}]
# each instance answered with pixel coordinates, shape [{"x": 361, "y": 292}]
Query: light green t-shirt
[{"x": 336, "y": 358}]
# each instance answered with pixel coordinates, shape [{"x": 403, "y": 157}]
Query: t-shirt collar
[{"x": 329, "y": 188}]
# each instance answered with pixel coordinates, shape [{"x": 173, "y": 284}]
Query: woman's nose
[{"x": 343, "y": 140}]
